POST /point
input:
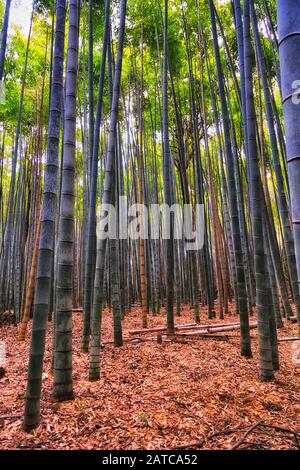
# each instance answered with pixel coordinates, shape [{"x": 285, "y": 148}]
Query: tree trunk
[
  {"x": 108, "y": 198},
  {"x": 31, "y": 284},
  {"x": 241, "y": 284},
  {"x": 63, "y": 383},
  {"x": 167, "y": 182},
  {"x": 4, "y": 37},
  {"x": 91, "y": 232},
  {"x": 42, "y": 289},
  {"x": 288, "y": 14},
  {"x": 256, "y": 194}
]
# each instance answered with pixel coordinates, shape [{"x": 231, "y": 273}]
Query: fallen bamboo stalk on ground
[
  {"x": 201, "y": 336},
  {"x": 289, "y": 338},
  {"x": 159, "y": 329},
  {"x": 205, "y": 332},
  {"x": 216, "y": 330},
  {"x": 230, "y": 328},
  {"x": 168, "y": 339},
  {"x": 190, "y": 326},
  {"x": 218, "y": 325}
]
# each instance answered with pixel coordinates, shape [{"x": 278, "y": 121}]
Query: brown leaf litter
[{"x": 201, "y": 394}]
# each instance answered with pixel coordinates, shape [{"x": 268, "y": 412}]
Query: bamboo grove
[{"x": 148, "y": 102}]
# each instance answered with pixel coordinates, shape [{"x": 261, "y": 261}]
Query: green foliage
[
  {"x": 37, "y": 70},
  {"x": 144, "y": 27}
]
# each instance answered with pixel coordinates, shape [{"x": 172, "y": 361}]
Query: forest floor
[{"x": 156, "y": 396}]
